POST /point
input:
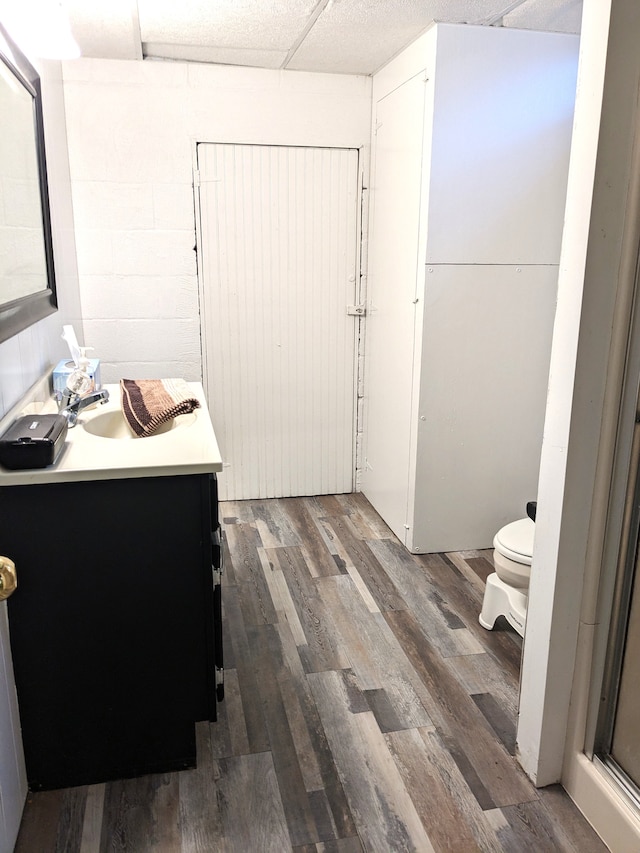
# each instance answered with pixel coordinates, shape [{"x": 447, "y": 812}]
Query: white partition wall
[
  {"x": 486, "y": 351},
  {"x": 470, "y": 151}
]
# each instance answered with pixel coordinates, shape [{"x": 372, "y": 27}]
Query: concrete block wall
[{"x": 132, "y": 130}]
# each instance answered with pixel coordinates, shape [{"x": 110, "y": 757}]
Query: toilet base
[{"x": 500, "y": 599}]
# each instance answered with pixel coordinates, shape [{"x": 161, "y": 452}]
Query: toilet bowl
[{"x": 507, "y": 589}]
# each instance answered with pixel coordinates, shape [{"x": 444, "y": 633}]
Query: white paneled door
[{"x": 278, "y": 257}]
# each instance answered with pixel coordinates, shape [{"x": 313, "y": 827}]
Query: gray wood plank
[
  {"x": 450, "y": 813},
  {"x": 363, "y": 517},
  {"x": 329, "y": 505},
  {"x": 383, "y": 810},
  {"x": 39, "y": 828},
  {"x": 322, "y": 815},
  {"x": 425, "y": 599},
  {"x": 70, "y": 824},
  {"x": 359, "y": 555},
  {"x": 573, "y": 831},
  {"x": 314, "y": 755},
  {"x": 92, "y": 823},
  {"x": 458, "y": 718},
  {"x": 322, "y": 651},
  {"x": 281, "y": 595},
  {"x": 376, "y": 656},
  {"x": 483, "y": 674},
  {"x": 502, "y": 723},
  {"x": 481, "y": 566},
  {"x": 342, "y": 845},
  {"x": 200, "y": 821},
  {"x": 383, "y": 710},
  {"x": 299, "y": 710},
  {"x": 317, "y": 548},
  {"x": 255, "y": 601},
  {"x": 461, "y": 597},
  {"x": 273, "y": 521},
  {"x": 529, "y": 828},
  {"x": 229, "y": 733},
  {"x": 142, "y": 814},
  {"x": 254, "y": 722},
  {"x": 235, "y": 512},
  {"x": 251, "y": 813},
  {"x": 264, "y": 644}
]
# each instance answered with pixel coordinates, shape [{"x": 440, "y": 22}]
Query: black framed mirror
[{"x": 27, "y": 277}]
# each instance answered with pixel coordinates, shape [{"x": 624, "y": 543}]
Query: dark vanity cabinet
[{"x": 115, "y": 625}]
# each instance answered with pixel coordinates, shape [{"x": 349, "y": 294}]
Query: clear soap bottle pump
[{"x": 80, "y": 381}]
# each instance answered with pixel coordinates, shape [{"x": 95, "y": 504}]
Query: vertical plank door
[{"x": 278, "y": 263}]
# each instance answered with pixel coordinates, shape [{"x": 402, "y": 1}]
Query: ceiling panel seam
[
  {"x": 498, "y": 16},
  {"x": 136, "y": 32},
  {"x": 319, "y": 9}
]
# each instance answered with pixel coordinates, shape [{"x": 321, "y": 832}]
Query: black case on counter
[{"x": 33, "y": 441}]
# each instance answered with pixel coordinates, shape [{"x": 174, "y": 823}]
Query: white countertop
[{"x": 190, "y": 447}]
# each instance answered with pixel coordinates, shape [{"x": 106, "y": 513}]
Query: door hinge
[
  {"x": 196, "y": 178},
  {"x": 356, "y": 310}
]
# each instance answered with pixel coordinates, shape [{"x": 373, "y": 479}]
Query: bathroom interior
[{"x": 455, "y": 354}]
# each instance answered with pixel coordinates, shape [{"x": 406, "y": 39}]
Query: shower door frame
[{"x": 622, "y": 548}]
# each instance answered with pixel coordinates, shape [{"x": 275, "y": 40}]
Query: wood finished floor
[{"x": 366, "y": 710}]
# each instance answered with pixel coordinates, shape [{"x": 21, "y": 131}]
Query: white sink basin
[
  {"x": 99, "y": 446},
  {"x": 114, "y": 425}
]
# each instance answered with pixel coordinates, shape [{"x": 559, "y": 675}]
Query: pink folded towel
[{"x": 148, "y": 403}]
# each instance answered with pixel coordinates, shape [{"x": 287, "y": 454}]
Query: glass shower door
[
  {"x": 618, "y": 730},
  {"x": 625, "y": 740}
]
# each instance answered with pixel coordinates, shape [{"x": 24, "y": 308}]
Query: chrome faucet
[{"x": 71, "y": 404}]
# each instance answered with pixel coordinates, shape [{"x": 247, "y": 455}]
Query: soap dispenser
[{"x": 80, "y": 381}]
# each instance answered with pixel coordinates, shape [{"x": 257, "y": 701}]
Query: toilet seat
[
  {"x": 513, "y": 551},
  {"x": 515, "y": 541}
]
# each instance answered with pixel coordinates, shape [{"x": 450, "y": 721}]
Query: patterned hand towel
[{"x": 148, "y": 403}]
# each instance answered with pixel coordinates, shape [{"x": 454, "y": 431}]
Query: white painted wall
[
  {"x": 25, "y": 357},
  {"x": 501, "y": 135},
  {"x": 132, "y": 128},
  {"x": 485, "y": 362}
]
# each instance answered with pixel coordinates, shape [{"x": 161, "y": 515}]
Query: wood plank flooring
[{"x": 366, "y": 709}]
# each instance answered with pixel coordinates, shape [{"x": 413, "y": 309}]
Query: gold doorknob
[{"x": 8, "y": 577}]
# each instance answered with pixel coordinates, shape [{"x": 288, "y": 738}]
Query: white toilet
[{"x": 507, "y": 590}]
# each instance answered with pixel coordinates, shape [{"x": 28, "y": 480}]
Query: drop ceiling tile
[
  {"x": 359, "y": 36},
  {"x": 105, "y": 29},
  {"x": 560, "y": 16},
  {"x": 253, "y": 24}
]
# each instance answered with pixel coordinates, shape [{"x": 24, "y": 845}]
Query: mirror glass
[{"x": 27, "y": 283}]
